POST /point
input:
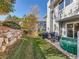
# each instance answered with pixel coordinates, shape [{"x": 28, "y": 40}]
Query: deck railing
[{"x": 68, "y": 11}]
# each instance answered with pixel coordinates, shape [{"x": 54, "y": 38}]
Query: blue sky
[{"x": 24, "y": 6}]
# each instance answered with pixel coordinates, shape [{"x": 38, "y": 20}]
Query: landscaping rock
[
  {"x": 1, "y": 41},
  {"x": 8, "y": 36}
]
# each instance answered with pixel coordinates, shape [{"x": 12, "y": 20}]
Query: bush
[{"x": 12, "y": 25}]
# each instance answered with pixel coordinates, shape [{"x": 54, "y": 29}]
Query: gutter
[{"x": 54, "y": 3}]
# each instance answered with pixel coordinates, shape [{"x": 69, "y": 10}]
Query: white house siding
[
  {"x": 49, "y": 20},
  {"x": 68, "y": 13},
  {"x": 55, "y": 17},
  {"x": 51, "y": 24},
  {"x": 57, "y": 23}
]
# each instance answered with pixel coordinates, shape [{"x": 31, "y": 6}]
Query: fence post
[{"x": 78, "y": 45}]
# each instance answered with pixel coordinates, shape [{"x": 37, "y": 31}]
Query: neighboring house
[
  {"x": 42, "y": 25},
  {"x": 63, "y": 17}
]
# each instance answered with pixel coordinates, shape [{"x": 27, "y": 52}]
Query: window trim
[
  {"x": 64, "y": 5},
  {"x": 73, "y": 27}
]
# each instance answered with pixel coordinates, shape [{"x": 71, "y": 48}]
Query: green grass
[
  {"x": 38, "y": 54},
  {"x": 35, "y": 48},
  {"x": 27, "y": 49},
  {"x": 19, "y": 51},
  {"x": 49, "y": 51}
]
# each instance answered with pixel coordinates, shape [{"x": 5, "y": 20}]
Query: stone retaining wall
[{"x": 8, "y": 36}]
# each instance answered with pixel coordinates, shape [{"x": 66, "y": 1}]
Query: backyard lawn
[{"x": 34, "y": 48}]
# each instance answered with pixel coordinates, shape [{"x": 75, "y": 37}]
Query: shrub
[{"x": 12, "y": 24}]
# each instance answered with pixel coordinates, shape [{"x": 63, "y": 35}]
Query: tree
[
  {"x": 31, "y": 19},
  {"x": 30, "y": 22},
  {"x": 13, "y": 18},
  {"x": 8, "y": 17},
  {"x": 35, "y": 10},
  {"x": 6, "y": 6}
]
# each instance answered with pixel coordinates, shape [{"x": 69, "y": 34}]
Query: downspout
[{"x": 78, "y": 45}]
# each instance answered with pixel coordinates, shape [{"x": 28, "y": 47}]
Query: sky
[{"x": 23, "y": 7}]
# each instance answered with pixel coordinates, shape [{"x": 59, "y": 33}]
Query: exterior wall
[
  {"x": 62, "y": 17},
  {"x": 49, "y": 22},
  {"x": 63, "y": 28},
  {"x": 55, "y": 16},
  {"x": 69, "y": 14}
]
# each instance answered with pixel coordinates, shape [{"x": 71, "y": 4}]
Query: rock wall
[{"x": 8, "y": 36}]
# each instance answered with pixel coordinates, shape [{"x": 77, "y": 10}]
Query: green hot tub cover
[{"x": 69, "y": 44}]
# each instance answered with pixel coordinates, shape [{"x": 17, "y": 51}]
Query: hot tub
[{"x": 69, "y": 44}]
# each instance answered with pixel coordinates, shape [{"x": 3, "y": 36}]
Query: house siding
[{"x": 69, "y": 14}]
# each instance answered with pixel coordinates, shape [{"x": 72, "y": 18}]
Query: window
[
  {"x": 70, "y": 30},
  {"x": 61, "y": 5},
  {"x": 67, "y": 2}
]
